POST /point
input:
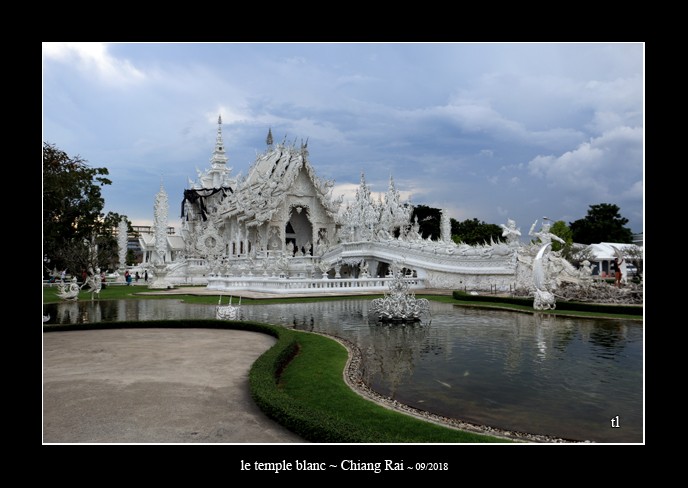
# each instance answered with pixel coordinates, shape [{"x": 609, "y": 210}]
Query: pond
[{"x": 535, "y": 373}]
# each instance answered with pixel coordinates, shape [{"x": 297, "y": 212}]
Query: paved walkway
[{"x": 154, "y": 386}]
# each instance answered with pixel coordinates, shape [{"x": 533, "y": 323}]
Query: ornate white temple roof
[{"x": 271, "y": 178}]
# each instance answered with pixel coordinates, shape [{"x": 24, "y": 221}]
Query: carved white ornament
[
  {"x": 122, "y": 241},
  {"x": 161, "y": 211}
]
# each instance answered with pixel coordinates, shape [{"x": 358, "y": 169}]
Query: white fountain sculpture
[
  {"x": 227, "y": 312},
  {"x": 399, "y": 303}
]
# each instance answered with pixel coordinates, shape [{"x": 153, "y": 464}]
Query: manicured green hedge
[
  {"x": 311, "y": 424},
  {"x": 561, "y": 305}
]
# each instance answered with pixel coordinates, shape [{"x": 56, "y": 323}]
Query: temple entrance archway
[{"x": 299, "y": 230}]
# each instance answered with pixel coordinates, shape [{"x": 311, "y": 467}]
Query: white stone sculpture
[
  {"x": 365, "y": 271},
  {"x": 68, "y": 291},
  {"x": 544, "y": 300},
  {"x": 544, "y": 234},
  {"x": 93, "y": 281},
  {"x": 122, "y": 241},
  {"x": 511, "y": 233},
  {"x": 227, "y": 312},
  {"x": 399, "y": 304},
  {"x": 161, "y": 211}
]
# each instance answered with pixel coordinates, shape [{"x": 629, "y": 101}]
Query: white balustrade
[{"x": 300, "y": 285}]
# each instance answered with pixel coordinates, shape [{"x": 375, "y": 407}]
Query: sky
[{"x": 489, "y": 131}]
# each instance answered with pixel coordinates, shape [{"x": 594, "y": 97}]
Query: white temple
[{"x": 280, "y": 229}]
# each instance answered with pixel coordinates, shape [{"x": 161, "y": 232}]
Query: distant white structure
[{"x": 604, "y": 254}]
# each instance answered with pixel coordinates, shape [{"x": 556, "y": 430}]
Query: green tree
[
  {"x": 560, "y": 229},
  {"x": 428, "y": 220},
  {"x": 474, "y": 231},
  {"x": 73, "y": 219},
  {"x": 603, "y": 223}
]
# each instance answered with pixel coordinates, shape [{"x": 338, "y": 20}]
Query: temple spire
[
  {"x": 219, "y": 158},
  {"x": 268, "y": 140}
]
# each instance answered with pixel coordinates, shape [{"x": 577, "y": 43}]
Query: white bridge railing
[{"x": 305, "y": 285}]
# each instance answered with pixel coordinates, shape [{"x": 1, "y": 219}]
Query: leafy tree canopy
[
  {"x": 474, "y": 231},
  {"x": 603, "y": 223},
  {"x": 73, "y": 213},
  {"x": 560, "y": 229},
  {"x": 428, "y": 220}
]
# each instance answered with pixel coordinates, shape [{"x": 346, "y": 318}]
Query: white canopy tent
[{"x": 604, "y": 254}]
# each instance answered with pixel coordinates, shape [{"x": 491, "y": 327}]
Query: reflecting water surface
[{"x": 565, "y": 377}]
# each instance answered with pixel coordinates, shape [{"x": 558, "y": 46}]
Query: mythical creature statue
[
  {"x": 544, "y": 234},
  {"x": 93, "y": 282},
  {"x": 68, "y": 291},
  {"x": 510, "y": 232},
  {"x": 544, "y": 300}
]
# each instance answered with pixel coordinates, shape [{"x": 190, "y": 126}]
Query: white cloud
[
  {"x": 347, "y": 190},
  {"x": 606, "y": 166},
  {"x": 94, "y": 57}
]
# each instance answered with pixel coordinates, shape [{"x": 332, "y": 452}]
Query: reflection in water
[
  {"x": 538, "y": 373},
  {"x": 391, "y": 353}
]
